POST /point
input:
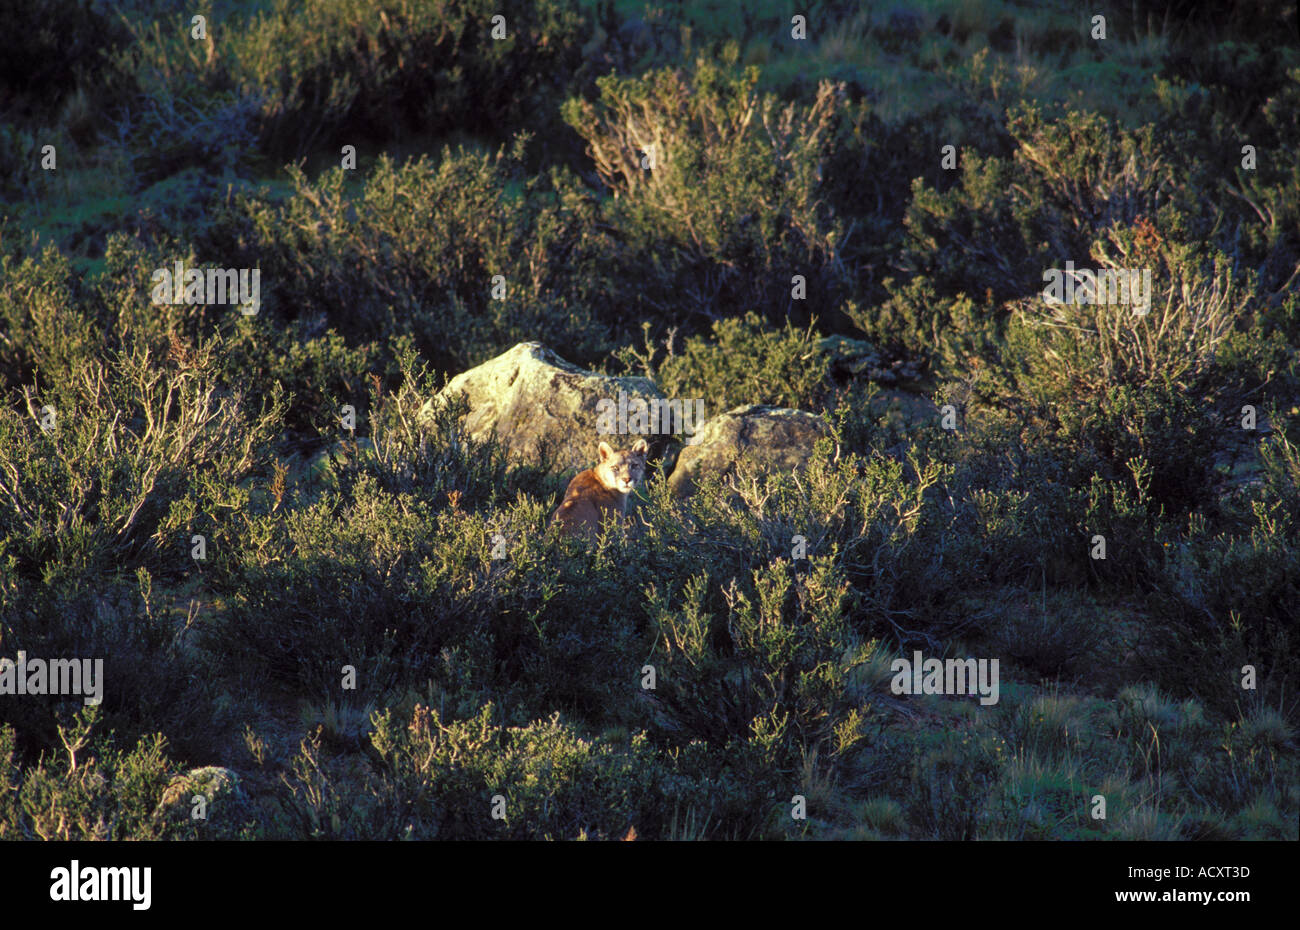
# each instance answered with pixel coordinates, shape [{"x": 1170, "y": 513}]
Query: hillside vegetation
[{"x": 684, "y": 191}]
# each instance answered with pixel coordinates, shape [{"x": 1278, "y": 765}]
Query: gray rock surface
[
  {"x": 224, "y": 797},
  {"x": 776, "y": 438},
  {"x": 535, "y": 403}
]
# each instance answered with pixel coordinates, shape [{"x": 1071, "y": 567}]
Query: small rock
[{"x": 220, "y": 787}]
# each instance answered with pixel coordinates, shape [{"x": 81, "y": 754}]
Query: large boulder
[
  {"x": 775, "y": 438},
  {"x": 537, "y": 404}
]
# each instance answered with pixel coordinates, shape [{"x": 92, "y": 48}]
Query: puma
[{"x": 600, "y": 493}]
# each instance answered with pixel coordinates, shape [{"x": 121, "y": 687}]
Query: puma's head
[{"x": 622, "y": 471}]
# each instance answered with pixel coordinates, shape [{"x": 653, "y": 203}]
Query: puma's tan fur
[{"x": 600, "y": 493}]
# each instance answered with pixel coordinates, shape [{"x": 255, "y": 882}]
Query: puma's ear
[
  {"x": 640, "y": 446},
  {"x": 604, "y": 451}
]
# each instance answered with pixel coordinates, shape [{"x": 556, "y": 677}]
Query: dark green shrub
[
  {"x": 49, "y": 47},
  {"x": 394, "y": 574},
  {"x": 47, "y": 328},
  {"x": 952, "y": 780},
  {"x": 152, "y": 680},
  {"x": 1146, "y": 390},
  {"x": 321, "y": 74},
  {"x": 438, "y": 778},
  {"x": 1231, "y": 599}
]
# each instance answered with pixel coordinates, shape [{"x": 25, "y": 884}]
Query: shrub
[
  {"x": 744, "y": 363},
  {"x": 1228, "y": 600},
  {"x": 152, "y": 681},
  {"x": 326, "y": 73},
  {"x": 1151, "y": 387},
  {"x": 730, "y": 210},
  {"x": 92, "y": 791},
  {"x": 1069, "y": 180},
  {"x": 951, "y": 784},
  {"x": 92, "y": 475},
  {"x": 415, "y": 253},
  {"x": 49, "y": 47},
  {"x": 777, "y": 657},
  {"x": 438, "y": 778},
  {"x": 393, "y": 573}
]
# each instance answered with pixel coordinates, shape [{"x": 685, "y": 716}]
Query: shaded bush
[
  {"x": 49, "y": 47},
  {"x": 304, "y": 76},
  {"x": 442, "y": 779},
  {"x": 1230, "y": 600}
]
